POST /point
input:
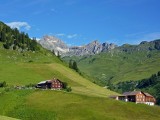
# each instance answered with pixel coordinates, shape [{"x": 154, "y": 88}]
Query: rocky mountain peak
[
  {"x": 95, "y": 47},
  {"x": 53, "y": 43}
]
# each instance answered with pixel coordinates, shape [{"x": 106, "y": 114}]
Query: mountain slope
[
  {"x": 127, "y": 62},
  {"x": 41, "y": 68},
  {"x": 86, "y": 101}
]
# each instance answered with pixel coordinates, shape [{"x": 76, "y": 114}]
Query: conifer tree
[{"x": 75, "y": 66}]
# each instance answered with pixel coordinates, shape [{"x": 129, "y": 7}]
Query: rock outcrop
[{"x": 53, "y": 43}]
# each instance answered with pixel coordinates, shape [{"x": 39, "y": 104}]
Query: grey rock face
[
  {"x": 53, "y": 43},
  {"x": 90, "y": 49}
]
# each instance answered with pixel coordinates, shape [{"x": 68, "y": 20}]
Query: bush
[
  {"x": 65, "y": 85},
  {"x": 68, "y": 89},
  {"x": 3, "y": 84},
  {"x": 30, "y": 61}
]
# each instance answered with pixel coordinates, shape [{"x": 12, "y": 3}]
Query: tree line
[
  {"x": 13, "y": 39},
  {"x": 73, "y": 65}
]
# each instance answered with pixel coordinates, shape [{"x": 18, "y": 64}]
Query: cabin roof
[
  {"x": 147, "y": 94},
  {"x": 131, "y": 93},
  {"x": 135, "y": 93},
  {"x": 42, "y": 82},
  {"x": 49, "y": 81}
]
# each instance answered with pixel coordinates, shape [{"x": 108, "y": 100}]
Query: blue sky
[{"x": 78, "y": 22}]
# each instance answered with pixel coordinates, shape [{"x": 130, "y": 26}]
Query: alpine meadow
[
  {"x": 79, "y": 60},
  {"x": 22, "y": 67}
]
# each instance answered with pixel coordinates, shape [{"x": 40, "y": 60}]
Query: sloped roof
[
  {"x": 126, "y": 93},
  {"x": 42, "y": 82},
  {"x": 50, "y": 81},
  {"x": 131, "y": 93},
  {"x": 147, "y": 94}
]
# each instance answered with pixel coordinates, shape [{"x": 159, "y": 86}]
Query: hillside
[
  {"x": 127, "y": 62},
  {"x": 86, "y": 100},
  {"x": 40, "y": 68}
]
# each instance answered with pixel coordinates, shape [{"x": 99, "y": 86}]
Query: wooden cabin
[
  {"x": 137, "y": 97},
  {"x": 50, "y": 84},
  {"x": 55, "y": 84}
]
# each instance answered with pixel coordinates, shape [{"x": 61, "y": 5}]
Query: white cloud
[
  {"x": 72, "y": 36},
  {"x": 19, "y": 25}
]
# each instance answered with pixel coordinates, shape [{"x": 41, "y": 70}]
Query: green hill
[
  {"x": 128, "y": 62},
  {"x": 22, "y": 72},
  {"x": 86, "y": 101}
]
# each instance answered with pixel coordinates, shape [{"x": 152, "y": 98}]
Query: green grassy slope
[
  {"x": 57, "y": 105},
  {"x": 119, "y": 66},
  {"x": 87, "y": 101},
  {"x": 24, "y": 72}
]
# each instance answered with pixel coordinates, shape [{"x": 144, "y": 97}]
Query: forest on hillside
[{"x": 13, "y": 39}]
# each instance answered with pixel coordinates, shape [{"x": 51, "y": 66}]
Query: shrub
[
  {"x": 68, "y": 89},
  {"x": 3, "y": 84},
  {"x": 30, "y": 61}
]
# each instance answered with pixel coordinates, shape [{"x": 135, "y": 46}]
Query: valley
[{"x": 21, "y": 67}]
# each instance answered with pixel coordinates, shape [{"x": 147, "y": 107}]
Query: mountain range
[
  {"x": 25, "y": 63},
  {"x": 53, "y": 43}
]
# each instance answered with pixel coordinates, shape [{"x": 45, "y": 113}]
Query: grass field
[
  {"x": 86, "y": 101},
  {"x": 58, "y": 105}
]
